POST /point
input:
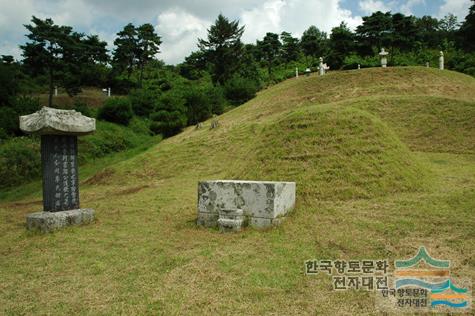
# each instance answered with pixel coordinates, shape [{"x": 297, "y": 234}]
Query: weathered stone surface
[
  {"x": 60, "y": 173},
  {"x": 231, "y": 220},
  {"x": 384, "y": 59},
  {"x": 261, "y": 202},
  {"x": 49, "y": 121},
  {"x": 51, "y": 221}
]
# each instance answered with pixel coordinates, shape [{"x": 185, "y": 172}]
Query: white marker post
[
  {"x": 296, "y": 72},
  {"x": 441, "y": 61},
  {"x": 321, "y": 67},
  {"x": 108, "y": 92}
]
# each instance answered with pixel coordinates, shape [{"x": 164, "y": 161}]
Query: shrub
[
  {"x": 216, "y": 99},
  {"x": 198, "y": 105},
  {"x": 83, "y": 108},
  {"x": 239, "y": 90},
  {"x": 121, "y": 85},
  {"x": 9, "y": 120},
  {"x": 19, "y": 161},
  {"x": 26, "y": 105},
  {"x": 140, "y": 125},
  {"x": 143, "y": 101},
  {"x": 170, "y": 115},
  {"x": 352, "y": 61},
  {"x": 116, "y": 110}
]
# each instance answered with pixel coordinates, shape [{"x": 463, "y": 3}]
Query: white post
[
  {"x": 441, "y": 61},
  {"x": 296, "y": 72},
  {"x": 384, "y": 60},
  {"x": 55, "y": 91},
  {"x": 321, "y": 67},
  {"x": 359, "y": 66},
  {"x": 427, "y": 65},
  {"x": 108, "y": 92}
]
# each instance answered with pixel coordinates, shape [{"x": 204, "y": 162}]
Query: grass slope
[
  {"x": 384, "y": 163},
  {"x": 335, "y": 152}
]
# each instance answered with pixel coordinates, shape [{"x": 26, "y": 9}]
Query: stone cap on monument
[{"x": 50, "y": 121}]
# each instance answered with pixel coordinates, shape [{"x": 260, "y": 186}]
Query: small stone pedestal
[
  {"x": 59, "y": 130},
  {"x": 51, "y": 221}
]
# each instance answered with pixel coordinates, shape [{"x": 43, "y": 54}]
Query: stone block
[
  {"x": 258, "y": 200},
  {"x": 51, "y": 221},
  {"x": 50, "y": 121}
]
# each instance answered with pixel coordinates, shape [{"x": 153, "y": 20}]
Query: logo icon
[{"x": 424, "y": 272}]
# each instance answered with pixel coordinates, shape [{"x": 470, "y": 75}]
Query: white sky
[{"x": 181, "y": 22}]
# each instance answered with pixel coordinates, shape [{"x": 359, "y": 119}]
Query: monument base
[{"x": 51, "y": 221}]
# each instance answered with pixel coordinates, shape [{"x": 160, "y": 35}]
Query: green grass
[{"x": 384, "y": 163}]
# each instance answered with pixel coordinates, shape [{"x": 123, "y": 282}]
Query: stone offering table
[
  {"x": 59, "y": 130},
  {"x": 259, "y": 204}
]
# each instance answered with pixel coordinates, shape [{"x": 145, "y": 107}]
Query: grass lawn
[{"x": 384, "y": 162}]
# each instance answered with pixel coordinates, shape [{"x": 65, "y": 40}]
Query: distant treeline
[{"x": 223, "y": 72}]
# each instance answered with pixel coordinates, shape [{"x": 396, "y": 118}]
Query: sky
[{"x": 181, "y": 22}]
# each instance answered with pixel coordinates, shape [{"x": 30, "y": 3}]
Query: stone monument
[
  {"x": 441, "y": 61},
  {"x": 233, "y": 204},
  {"x": 322, "y": 67},
  {"x": 384, "y": 60},
  {"x": 214, "y": 122},
  {"x": 359, "y": 66},
  {"x": 307, "y": 72},
  {"x": 59, "y": 130},
  {"x": 296, "y": 72}
]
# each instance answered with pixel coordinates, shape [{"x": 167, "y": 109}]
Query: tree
[
  {"x": 60, "y": 53},
  {"x": 290, "y": 47},
  {"x": 404, "y": 33},
  {"x": 270, "y": 48},
  {"x": 193, "y": 66},
  {"x": 448, "y": 27},
  {"x": 341, "y": 44},
  {"x": 223, "y": 48},
  {"x": 46, "y": 51},
  {"x": 93, "y": 61},
  {"x": 170, "y": 115},
  {"x": 8, "y": 81},
  {"x": 449, "y": 23},
  {"x": 428, "y": 31},
  {"x": 126, "y": 46},
  {"x": 467, "y": 30},
  {"x": 135, "y": 48},
  {"x": 314, "y": 42},
  {"x": 375, "y": 32},
  {"x": 148, "y": 43}
]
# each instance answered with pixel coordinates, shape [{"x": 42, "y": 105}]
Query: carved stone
[{"x": 49, "y": 121}]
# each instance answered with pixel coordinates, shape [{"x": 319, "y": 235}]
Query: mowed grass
[
  {"x": 91, "y": 96},
  {"x": 384, "y": 163}
]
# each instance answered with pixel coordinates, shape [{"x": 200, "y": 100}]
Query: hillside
[{"x": 384, "y": 161}]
